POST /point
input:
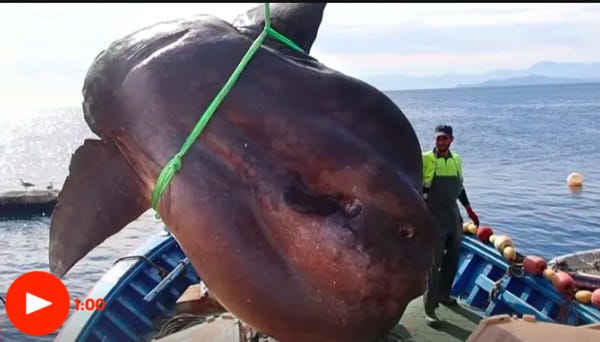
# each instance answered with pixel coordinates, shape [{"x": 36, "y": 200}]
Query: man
[{"x": 442, "y": 186}]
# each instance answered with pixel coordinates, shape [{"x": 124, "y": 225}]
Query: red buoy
[
  {"x": 563, "y": 282},
  {"x": 484, "y": 233},
  {"x": 596, "y": 298},
  {"x": 534, "y": 264}
]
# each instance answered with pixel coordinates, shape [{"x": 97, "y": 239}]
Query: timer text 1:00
[{"x": 90, "y": 304}]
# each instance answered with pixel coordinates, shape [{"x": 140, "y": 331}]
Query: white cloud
[
  {"x": 47, "y": 48},
  {"x": 428, "y": 64},
  {"x": 385, "y": 16}
]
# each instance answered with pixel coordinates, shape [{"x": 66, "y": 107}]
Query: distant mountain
[
  {"x": 583, "y": 71},
  {"x": 574, "y": 70},
  {"x": 527, "y": 81}
]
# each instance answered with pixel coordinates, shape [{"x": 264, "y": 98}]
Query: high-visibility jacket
[{"x": 442, "y": 186}]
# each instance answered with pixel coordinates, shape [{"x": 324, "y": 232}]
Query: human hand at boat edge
[{"x": 472, "y": 215}]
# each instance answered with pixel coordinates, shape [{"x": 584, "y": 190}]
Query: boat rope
[
  {"x": 2, "y": 300},
  {"x": 564, "y": 266},
  {"x": 465, "y": 304},
  {"x": 172, "y": 324},
  {"x": 514, "y": 270},
  {"x": 175, "y": 164},
  {"x": 565, "y": 310},
  {"x": 162, "y": 272},
  {"x": 595, "y": 264}
]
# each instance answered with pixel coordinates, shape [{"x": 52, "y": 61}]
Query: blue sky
[{"x": 47, "y": 48}]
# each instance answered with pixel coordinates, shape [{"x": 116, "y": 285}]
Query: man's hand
[{"x": 472, "y": 215}]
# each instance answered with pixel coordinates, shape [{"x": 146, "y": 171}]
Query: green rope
[
  {"x": 283, "y": 39},
  {"x": 174, "y": 165}
]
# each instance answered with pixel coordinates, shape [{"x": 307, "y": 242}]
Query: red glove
[{"x": 472, "y": 216}]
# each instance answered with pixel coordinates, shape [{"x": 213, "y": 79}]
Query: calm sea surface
[{"x": 518, "y": 145}]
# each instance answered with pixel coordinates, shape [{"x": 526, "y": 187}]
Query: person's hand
[{"x": 472, "y": 215}]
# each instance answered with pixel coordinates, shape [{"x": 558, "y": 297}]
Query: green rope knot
[
  {"x": 174, "y": 165},
  {"x": 168, "y": 172}
]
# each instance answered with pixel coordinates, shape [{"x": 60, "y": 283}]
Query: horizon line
[{"x": 448, "y": 73}]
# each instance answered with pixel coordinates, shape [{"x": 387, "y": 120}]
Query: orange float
[
  {"x": 509, "y": 253},
  {"x": 596, "y": 298},
  {"x": 583, "y": 296},
  {"x": 549, "y": 274},
  {"x": 563, "y": 282},
  {"x": 484, "y": 233},
  {"x": 534, "y": 264}
]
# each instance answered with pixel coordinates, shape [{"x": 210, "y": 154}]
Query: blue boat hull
[
  {"x": 136, "y": 294},
  {"x": 481, "y": 266}
]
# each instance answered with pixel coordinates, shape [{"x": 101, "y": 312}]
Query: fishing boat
[
  {"x": 137, "y": 290},
  {"x": 142, "y": 288},
  {"x": 35, "y": 202},
  {"x": 488, "y": 284},
  {"x": 587, "y": 262}
]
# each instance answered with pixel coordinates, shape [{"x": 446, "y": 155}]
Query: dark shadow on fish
[{"x": 299, "y": 198}]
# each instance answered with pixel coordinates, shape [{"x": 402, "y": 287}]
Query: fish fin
[
  {"x": 298, "y": 197},
  {"x": 101, "y": 195},
  {"x": 299, "y": 22}
]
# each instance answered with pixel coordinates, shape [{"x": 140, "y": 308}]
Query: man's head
[{"x": 443, "y": 137}]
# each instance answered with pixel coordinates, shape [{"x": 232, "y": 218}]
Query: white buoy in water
[{"x": 575, "y": 180}]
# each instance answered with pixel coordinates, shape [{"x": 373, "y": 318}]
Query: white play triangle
[{"x": 34, "y": 303}]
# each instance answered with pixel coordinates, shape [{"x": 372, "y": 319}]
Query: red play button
[{"x": 37, "y": 303}]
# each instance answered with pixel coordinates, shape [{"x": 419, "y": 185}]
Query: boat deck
[
  {"x": 457, "y": 324},
  {"x": 134, "y": 288}
]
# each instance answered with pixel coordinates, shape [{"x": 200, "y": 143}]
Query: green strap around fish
[{"x": 174, "y": 164}]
